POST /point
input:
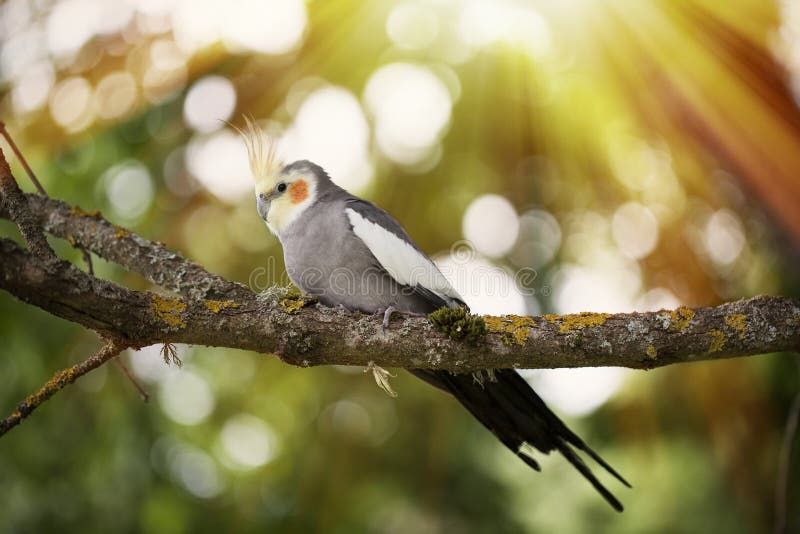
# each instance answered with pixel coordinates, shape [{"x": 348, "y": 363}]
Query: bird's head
[{"x": 283, "y": 192}]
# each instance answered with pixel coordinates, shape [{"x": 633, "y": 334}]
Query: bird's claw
[{"x": 387, "y": 315}]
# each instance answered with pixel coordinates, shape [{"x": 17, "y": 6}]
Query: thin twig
[
  {"x": 785, "y": 462},
  {"x": 59, "y": 380},
  {"x": 21, "y": 158},
  {"x": 142, "y": 392},
  {"x": 87, "y": 257}
]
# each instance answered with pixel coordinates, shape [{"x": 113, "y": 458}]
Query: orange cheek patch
[{"x": 298, "y": 191}]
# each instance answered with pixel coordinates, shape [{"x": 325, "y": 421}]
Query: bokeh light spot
[
  {"x": 186, "y": 398},
  {"x": 196, "y": 471},
  {"x": 724, "y": 237},
  {"x": 20, "y": 50},
  {"x": 32, "y": 87},
  {"x": 491, "y": 225},
  {"x": 219, "y": 162},
  {"x": 165, "y": 73},
  {"x": 247, "y": 441},
  {"x": 612, "y": 285},
  {"x": 70, "y": 103},
  {"x": 538, "y": 241},
  {"x": 346, "y": 417},
  {"x": 484, "y": 22},
  {"x": 115, "y": 95},
  {"x": 148, "y": 362},
  {"x": 576, "y": 391},
  {"x": 635, "y": 230},
  {"x": 411, "y": 107},
  {"x": 331, "y": 130},
  {"x": 209, "y": 101},
  {"x": 412, "y": 26},
  {"x": 656, "y": 299},
  {"x": 129, "y": 189},
  {"x": 70, "y": 25},
  {"x": 487, "y": 289},
  {"x": 267, "y": 26}
]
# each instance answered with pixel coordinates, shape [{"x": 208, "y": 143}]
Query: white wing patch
[{"x": 402, "y": 261}]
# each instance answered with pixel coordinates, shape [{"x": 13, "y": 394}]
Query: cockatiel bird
[{"x": 327, "y": 233}]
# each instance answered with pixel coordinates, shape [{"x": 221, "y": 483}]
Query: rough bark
[
  {"x": 15, "y": 207},
  {"x": 197, "y": 307},
  {"x": 306, "y": 334},
  {"x": 150, "y": 259}
]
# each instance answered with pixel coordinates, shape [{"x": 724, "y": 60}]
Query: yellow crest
[{"x": 261, "y": 151}]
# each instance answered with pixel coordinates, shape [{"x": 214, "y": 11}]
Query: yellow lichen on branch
[
  {"x": 678, "y": 319},
  {"x": 291, "y": 305},
  {"x": 79, "y": 212},
  {"x": 737, "y": 321},
  {"x": 717, "y": 341},
  {"x": 515, "y": 328},
  {"x": 295, "y": 300},
  {"x": 218, "y": 305},
  {"x": 169, "y": 310},
  {"x": 576, "y": 321}
]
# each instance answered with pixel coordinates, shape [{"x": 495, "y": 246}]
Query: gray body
[{"x": 326, "y": 258}]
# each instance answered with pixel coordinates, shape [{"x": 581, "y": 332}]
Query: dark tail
[{"x": 509, "y": 407}]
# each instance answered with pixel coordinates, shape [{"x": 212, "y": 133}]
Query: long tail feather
[{"x": 520, "y": 419}]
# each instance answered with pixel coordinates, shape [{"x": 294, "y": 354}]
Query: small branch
[
  {"x": 21, "y": 158},
  {"x": 15, "y": 203},
  {"x": 87, "y": 257},
  {"x": 132, "y": 379},
  {"x": 58, "y": 382}
]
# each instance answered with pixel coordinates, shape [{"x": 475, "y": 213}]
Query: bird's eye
[{"x": 281, "y": 187}]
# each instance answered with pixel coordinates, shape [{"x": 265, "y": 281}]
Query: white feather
[{"x": 402, "y": 261}]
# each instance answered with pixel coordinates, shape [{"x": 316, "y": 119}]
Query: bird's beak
[{"x": 263, "y": 202}]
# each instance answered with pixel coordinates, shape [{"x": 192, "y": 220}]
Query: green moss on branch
[{"x": 459, "y": 324}]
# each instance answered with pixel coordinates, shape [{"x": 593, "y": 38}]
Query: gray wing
[{"x": 398, "y": 255}]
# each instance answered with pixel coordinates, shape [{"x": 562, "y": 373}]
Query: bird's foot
[
  {"x": 387, "y": 316},
  {"x": 381, "y": 376}
]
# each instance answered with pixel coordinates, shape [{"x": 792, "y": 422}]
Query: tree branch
[
  {"x": 152, "y": 260},
  {"x": 217, "y": 312},
  {"x": 15, "y": 205},
  {"x": 307, "y": 335},
  {"x": 58, "y": 382}
]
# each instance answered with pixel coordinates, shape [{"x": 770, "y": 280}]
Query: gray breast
[{"x": 324, "y": 258}]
